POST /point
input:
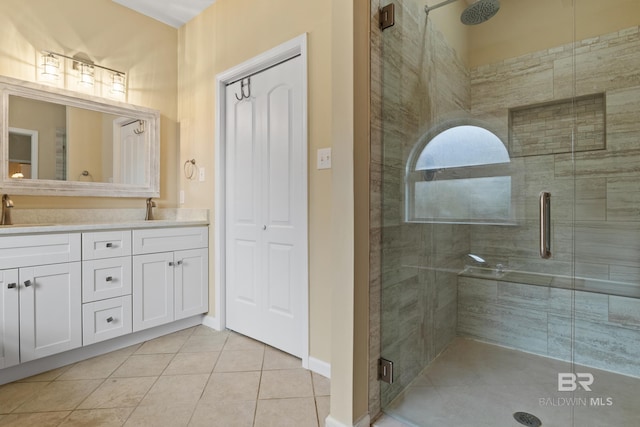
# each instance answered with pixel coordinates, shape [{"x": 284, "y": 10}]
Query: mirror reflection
[{"x": 50, "y": 141}]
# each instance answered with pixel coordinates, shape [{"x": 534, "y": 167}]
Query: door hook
[
  {"x": 140, "y": 129},
  {"x": 242, "y": 86}
]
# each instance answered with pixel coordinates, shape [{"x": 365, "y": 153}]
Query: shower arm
[{"x": 428, "y": 9}]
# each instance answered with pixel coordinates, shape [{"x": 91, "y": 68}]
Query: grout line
[
  {"x": 210, "y": 373},
  {"x": 157, "y": 377}
]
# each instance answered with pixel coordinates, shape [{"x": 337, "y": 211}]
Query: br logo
[{"x": 568, "y": 381}]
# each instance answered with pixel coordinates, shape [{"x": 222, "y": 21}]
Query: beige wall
[
  {"x": 112, "y": 36},
  {"x": 215, "y": 41},
  {"x": 542, "y": 24}
]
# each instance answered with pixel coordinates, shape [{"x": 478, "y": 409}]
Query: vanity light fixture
[{"x": 86, "y": 70}]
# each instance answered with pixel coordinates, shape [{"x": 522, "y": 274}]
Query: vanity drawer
[
  {"x": 106, "y": 244},
  {"x": 103, "y": 320},
  {"x": 148, "y": 241},
  {"x": 39, "y": 249},
  {"x": 106, "y": 278}
]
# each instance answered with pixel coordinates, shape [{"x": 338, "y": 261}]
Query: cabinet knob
[
  {"x": 109, "y": 319},
  {"x": 109, "y": 279},
  {"x": 12, "y": 285},
  {"x": 171, "y": 263},
  {"x": 179, "y": 262},
  {"x": 28, "y": 283},
  {"x": 109, "y": 245}
]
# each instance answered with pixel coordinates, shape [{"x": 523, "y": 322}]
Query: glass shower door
[
  {"x": 606, "y": 326},
  {"x": 510, "y": 250}
]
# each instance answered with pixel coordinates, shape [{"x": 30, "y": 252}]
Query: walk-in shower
[{"x": 505, "y": 257}]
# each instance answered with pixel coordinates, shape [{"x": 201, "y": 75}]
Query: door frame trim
[{"x": 283, "y": 52}]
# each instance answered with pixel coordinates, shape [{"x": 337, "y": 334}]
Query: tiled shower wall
[
  {"x": 604, "y": 198},
  {"x": 596, "y": 215},
  {"x": 592, "y": 329},
  {"x": 420, "y": 82}
]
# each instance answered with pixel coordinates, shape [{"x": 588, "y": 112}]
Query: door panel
[
  {"x": 153, "y": 292},
  {"x": 191, "y": 283},
  {"x": 9, "y": 319},
  {"x": 246, "y": 272},
  {"x": 279, "y": 146},
  {"x": 50, "y": 310},
  {"x": 280, "y": 284},
  {"x": 266, "y": 208},
  {"x": 244, "y": 153}
]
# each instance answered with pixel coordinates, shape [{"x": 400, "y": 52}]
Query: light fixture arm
[{"x": 84, "y": 61}]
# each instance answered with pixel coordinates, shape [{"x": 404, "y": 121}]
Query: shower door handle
[{"x": 545, "y": 225}]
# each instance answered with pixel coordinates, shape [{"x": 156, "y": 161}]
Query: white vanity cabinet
[
  {"x": 170, "y": 275},
  {"x": 40, "y": 277},
  {"x": 106, "y": 285},
  {"x": 63, "y": 291}
]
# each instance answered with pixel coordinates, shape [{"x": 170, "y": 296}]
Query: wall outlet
[{"x": 324, "y": 158}]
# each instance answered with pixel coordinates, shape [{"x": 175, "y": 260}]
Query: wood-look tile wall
[
  {"x": 592, "y": 329},
  {"x": 595, "y": 187}
]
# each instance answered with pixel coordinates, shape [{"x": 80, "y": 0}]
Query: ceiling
[{"x": 171, "y": 12}]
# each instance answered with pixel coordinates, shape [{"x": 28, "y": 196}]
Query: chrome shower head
[{"x": 480, "y": 11}]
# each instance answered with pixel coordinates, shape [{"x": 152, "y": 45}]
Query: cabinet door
[
  {"x": 9, "y": 321},
  {"x": 192, "y": 282},
  {"x": 50, "y": 310},
  {"x": 152, "y": 290}
]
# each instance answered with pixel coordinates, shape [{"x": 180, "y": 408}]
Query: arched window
[{"x": 460, "y": 175}]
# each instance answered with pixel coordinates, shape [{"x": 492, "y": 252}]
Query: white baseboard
[
  {"x": 211, "y": 322},
  {"x": 362, "y": 422},
  {"x": 320, "y": 367}
]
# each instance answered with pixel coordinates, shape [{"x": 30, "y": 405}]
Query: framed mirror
[{"x": 57, "y": 142}]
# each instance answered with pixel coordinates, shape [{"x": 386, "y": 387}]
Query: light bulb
[
  {"x": 85, "y": 74},
  {"x": 50, "y": 66},
  {"x": 117, "y": 83}
]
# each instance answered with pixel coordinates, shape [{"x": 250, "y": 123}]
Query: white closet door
[{"x": 266, "y": 208}]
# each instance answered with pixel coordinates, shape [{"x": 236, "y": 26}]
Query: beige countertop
[{"x": 33, "y": 221}]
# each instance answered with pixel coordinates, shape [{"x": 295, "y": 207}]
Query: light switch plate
[
  {"x": 324, "y": 158},
  {"x": 201, "y": 174}
]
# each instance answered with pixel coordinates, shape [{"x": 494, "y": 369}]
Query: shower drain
[{"x": 527, "y": 419}]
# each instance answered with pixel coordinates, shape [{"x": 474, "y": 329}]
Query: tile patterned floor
[
  {"x": 194, "y": 377},
  {"x": 482, "y": 385}
]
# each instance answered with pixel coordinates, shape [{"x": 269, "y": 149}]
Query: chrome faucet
[
  {"x": 150, "y": 205},
  {"x": 7, "y": 205}
]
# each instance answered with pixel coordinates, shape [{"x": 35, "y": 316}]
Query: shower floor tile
[{"x": 478, "y": 384}]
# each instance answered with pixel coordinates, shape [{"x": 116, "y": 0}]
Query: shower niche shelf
[{"x": 547, "y": 128}]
